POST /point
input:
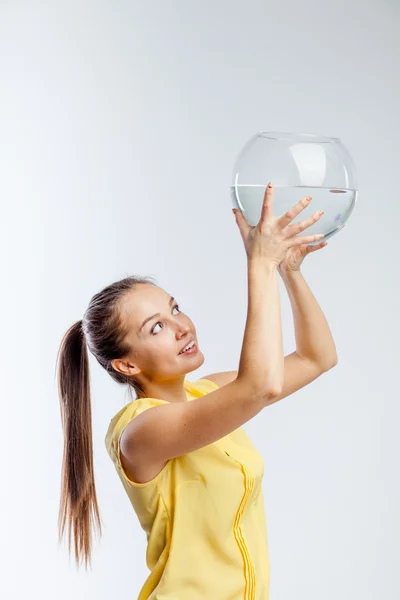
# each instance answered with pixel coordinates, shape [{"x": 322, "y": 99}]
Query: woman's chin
[{"x": 192, "y": 362}]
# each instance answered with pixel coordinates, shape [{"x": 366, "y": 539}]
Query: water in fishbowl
[{"x": 337, "y": 204}]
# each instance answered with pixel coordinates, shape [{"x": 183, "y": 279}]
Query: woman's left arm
[{"x": 314, "y": 340}]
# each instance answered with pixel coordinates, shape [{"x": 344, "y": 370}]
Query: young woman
[{"x": 190, "y": 471}]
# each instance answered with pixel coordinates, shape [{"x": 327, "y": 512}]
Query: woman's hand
[
  {"x": 273, "y": 237},
  {"x": 295, "y": 256}
]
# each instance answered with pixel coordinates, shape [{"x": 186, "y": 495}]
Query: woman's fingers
[
  {"x": 306, "y": 239},
  {"x": 284, "y": 221},
  {"x": 268, "y": 202},
  {"x": 298, "y": 227},
  {"x": 291, "y": 214},
  {"x": 317, "y": 246}
]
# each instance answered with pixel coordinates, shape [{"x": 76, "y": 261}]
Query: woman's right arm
[
  {"x": 161, "y": 433},
  {"x": 261, "y": 360}
]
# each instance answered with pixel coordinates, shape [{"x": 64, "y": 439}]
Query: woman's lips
[{"x": 192, "y": 350}]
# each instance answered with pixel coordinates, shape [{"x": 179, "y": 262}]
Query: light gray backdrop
[{"x": 120, "y": 124}]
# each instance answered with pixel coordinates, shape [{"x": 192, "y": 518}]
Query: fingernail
[{"x": 270, "y": 184}]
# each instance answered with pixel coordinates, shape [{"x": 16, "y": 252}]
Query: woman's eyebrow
[{"x": 156, "y": 315}]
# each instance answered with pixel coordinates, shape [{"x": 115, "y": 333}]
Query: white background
[{"x": 119, "y": 126}]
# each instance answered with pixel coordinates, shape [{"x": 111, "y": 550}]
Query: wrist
[
  {"x": 261, "y": 264},
  {"x": 290, "y": 274}
]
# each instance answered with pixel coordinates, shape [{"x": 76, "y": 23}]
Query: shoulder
[{"x": 123, "y": 417}]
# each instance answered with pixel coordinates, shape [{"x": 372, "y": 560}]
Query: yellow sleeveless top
[{"x": 203, "y": 515}]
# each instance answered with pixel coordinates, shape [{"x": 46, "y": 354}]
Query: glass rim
[{"x": 306, "y": 136}]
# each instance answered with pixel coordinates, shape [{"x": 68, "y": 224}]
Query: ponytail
[{"x": 78, "y": 504}]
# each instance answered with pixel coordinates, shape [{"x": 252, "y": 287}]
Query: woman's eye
[{"x": 160, "y": 322}]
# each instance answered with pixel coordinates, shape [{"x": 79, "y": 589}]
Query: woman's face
[{"x": 156, "y": 339}]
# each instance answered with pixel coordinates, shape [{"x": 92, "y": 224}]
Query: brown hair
[{"x": 104, "y": 331}]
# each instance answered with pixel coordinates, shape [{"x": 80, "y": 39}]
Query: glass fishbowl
[{"x": 298, "y": 165}]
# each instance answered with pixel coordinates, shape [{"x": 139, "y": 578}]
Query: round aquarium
[{"x": 298, "y": 165}]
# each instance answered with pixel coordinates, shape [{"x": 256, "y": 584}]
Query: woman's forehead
[{"x": 141, "y": 304}]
